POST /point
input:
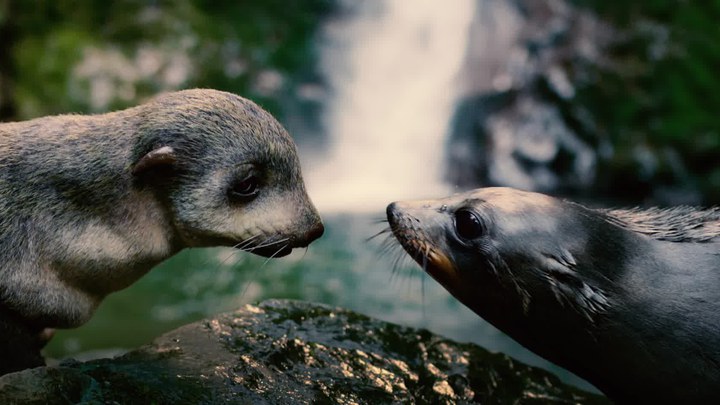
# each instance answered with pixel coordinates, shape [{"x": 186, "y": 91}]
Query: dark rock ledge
[{"x": 287, "y": 352}]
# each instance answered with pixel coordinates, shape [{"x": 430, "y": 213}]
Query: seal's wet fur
[
  {"x": 676, "y": 224},
  {"x": 627, "y": 299}
]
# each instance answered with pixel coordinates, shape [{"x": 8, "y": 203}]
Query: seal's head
[
  {"x": 500, "y": 249},
  {"x": 227, "y": 171},
  {"x": 623, "y": 298}
]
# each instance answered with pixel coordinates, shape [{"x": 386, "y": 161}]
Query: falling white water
[{"x": 393, "y": 69}]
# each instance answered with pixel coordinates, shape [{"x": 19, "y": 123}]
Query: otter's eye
[
  {"x": 468, "y": 224},
  {"x": 245, "y": 189}
]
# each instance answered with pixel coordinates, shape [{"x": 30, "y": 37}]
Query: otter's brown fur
[{"x": 88, "y": 204}]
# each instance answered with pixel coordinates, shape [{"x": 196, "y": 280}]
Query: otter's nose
[{"x": 315, "y": 232}]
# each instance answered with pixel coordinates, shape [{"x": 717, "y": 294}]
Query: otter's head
[
  {"x": 507, "y": 254},
  {"x": 227, "y": 171}
]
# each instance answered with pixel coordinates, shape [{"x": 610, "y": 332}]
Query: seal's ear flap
[
  {"x": 560, "y": 261},
  {"x": 160, "y": 157},
  {"x": 570, "y": 288}
]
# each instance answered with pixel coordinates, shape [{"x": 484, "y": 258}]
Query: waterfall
[{"x": 393, "y": 68}]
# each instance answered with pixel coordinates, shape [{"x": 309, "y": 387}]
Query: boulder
[{"x": 286, "y": 352}]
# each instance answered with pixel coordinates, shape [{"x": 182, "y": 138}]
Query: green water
[{"x": 342, "y": 268}]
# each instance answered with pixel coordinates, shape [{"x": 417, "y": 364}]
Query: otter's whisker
[
  {"x": 238, "y": 247},
  {"x": 269, "y": 242},
  {"x": 275, "y": 254},
  {"x": 242, "y": 245},
  {"x": 266, "y": 242},
  {"x": 249, "y": 280},
  {"x": 257, "y": 268},
  {"x": 231, "y": 254}
]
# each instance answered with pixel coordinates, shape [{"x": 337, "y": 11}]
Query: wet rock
[{"x": 283, "y": 352}]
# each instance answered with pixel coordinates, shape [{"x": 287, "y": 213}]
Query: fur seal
[
  {"x": 88, "y": 204},
  {"x": 627, "y": 299}
]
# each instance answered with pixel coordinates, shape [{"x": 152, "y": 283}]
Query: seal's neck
[{"x": 662, "y": 317}]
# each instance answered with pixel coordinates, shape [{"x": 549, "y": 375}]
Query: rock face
[
  {"x": 520, "y": 126},
  {"x": 287, "y": 352},
  {"x": 558, "y": 101}
]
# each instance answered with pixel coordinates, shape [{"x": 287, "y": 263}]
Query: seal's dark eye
[
  {"x": 468, "y": 224},
  {"x": 244, "y": 190}
]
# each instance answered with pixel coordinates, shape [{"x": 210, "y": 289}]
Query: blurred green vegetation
[
  {"x": 93, "y": 55},
  {"x": 659, "y": 94}
]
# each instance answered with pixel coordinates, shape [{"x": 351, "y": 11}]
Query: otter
[
  {"x": 627, "y": 299},
  {"x": 90, "y": 203}
]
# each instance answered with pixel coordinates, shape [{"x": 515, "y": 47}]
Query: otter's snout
[
  {"x": 315, "y": 232},
  {"x": 308, "y": 227}
]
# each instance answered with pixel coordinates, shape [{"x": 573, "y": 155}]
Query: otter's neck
[
  {"x": 20, "y": 343},
  {"x": 78, "y": 225}
]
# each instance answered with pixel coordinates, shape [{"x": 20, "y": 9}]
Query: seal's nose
[{"x": 391, "y": 209}]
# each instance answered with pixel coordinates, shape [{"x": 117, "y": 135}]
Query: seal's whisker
[
  {"x": 397, "y": 261},
  {"x": 384, "y": 231},
  {"x": 390, "y": 248},
  {"x": 425, "y": 260},
  {"x": 422, "y": 295},
  {"x": 394, "y": 268}
]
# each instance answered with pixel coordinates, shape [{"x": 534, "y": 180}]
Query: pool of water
[{"x": 343, "y": 268}]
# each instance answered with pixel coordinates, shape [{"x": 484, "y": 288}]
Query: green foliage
[
  {"x": 661, "y": 89},
  {"x": 92, "y": 55}
]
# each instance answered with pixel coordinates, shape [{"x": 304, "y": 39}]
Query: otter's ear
[{"x": 163, "y": 156}]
